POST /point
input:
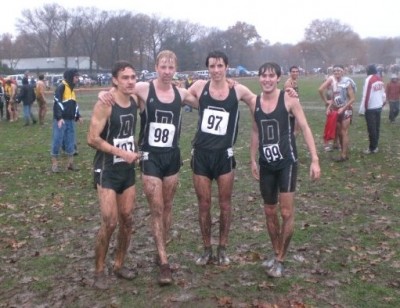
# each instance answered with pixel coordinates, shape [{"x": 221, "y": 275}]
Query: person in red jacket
[{"x": 393, "y": 97}]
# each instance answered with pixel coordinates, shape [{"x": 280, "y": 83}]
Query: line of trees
[{"x": 105, "y": 36}]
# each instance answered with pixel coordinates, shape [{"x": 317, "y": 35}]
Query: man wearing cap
[{"x": 393, "y": 97}]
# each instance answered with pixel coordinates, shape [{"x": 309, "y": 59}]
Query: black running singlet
[
  {"x": 277, "y": 144},
  {"x": 119, "y": 131},
  {"x": 218, "y": 121}
]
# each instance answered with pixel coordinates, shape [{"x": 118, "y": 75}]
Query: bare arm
[
  {"x": 188, "y": 98},
  {"x": 324, "y": 86},
  {"x": 293, "y": 106},
  {"x": 100, "y": 115},
  {"x": 254, "y": 150}
]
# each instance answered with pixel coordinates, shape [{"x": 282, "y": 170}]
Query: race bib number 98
[
  {"x": 161, "y": 134},
  {"x": 272, "y": 153},
  {"x": 215, "y": 122},
  {"x": 126, "y": 144}
]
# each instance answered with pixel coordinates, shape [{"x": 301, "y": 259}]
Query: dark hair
[
  {"x": 270, "y": 66},
  {"x": 41, "y": 76},
  {"x": 293, "y": 67},
  {"x": 371, "y": 69},
  {"x": 69, "y": 75},
  {"x": 25, "y": 80},
  {"x": 120, "y": 66},
  {"x": 338, "y": 66},
  {"x": 217, "y": 54}
]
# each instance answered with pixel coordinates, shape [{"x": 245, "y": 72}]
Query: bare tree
[
  {"x": 69, "y": 22},
  {"x": 94, "y": 22},
  {"x": 335, "y": 42},
  {"x": 41, "y": 24}
]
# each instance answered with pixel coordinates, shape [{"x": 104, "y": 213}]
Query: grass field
[{"x": 344, "y": 253}]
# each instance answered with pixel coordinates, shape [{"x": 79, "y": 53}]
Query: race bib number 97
[
  {"x": 215, "y": 122},
  {"x": 126, "y": 144},
  {"x": 161, "y": 134},
  {"x": 272, "y": 153}
]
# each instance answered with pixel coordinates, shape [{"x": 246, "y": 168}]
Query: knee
[
  {"x": 225, "y": 206},
  {"x": 287, "y": 214},
  {"x": 126, "y": 221},
  {"x": 204, "y": 206},
  {"x": 269, "y": 210},
  {"x": 109, "y": 224}
]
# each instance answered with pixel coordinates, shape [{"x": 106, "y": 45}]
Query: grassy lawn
[{"x": 344, "y": 253}]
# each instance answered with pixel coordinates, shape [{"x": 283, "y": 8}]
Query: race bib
[
  {"x": 272, "y": 153},
  {"x": 215, "y": 122},
  {"x": 161, "y": 134},
  {"x": 126, "y": 144}
]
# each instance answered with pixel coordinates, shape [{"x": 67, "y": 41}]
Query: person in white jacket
[{"x": 372, "y": 102}]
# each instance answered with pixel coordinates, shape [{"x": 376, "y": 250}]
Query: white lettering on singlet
[
  {"x": 126, "y": 144},
  {"x": 270, "y": 140},
  {"x": 215, "y": 121}
]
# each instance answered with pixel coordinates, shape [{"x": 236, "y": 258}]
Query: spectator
[
  {"x": 41, "y": 99},
  {"x": 27, "y": 96},
  {"x": 2, "y": 100},
  {"x": 65, "y": 113},
  {"x": 393, "y": 97},
  {"x": 12, "y": 105},
  {"x": 373, "y": 99}
]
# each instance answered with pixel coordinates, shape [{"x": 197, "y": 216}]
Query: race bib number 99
[
  {"x": 126, "y": 144},
  {"x": 161, "y": 134},
  {"x": 272, "y": 153},
  {"x": 215, "y": 122}
]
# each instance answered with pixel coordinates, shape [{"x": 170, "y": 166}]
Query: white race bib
[
  {"x": 215, "y": 122},
  {"x": 161, "y": 134},
  {"x": 272, "y": 153},
  {"x": 126, "y": 144}
]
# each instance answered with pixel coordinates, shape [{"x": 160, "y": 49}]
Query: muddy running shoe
[
  {"x": 268, "y": 263},
  {"x": 126, "y": 273},
  {"x": 206, "y": 257},
  {"x": 165, "y": 275},
  {"x": 222, "y": 257},
  {"x": 100, "y": 281},
  {"x": 276, "y": 271}
]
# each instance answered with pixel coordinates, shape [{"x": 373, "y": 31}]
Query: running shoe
[
  {"x": 165, "y": 275},
  {"x": 222, "y": 257},
  {"x": 276, "y": 271},
  {"x": 206, "y": 257},
  {"x": 268, "y": 263}
]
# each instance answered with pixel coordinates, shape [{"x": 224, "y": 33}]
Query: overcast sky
[{"x": 276, "y": 21}]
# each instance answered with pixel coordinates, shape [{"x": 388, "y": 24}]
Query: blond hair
[{"x": 168, "y": 55}]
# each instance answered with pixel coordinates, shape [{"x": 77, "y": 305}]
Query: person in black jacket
[
  {"x": 65, "y": 113},
  {"x": 27, "y": 96}
]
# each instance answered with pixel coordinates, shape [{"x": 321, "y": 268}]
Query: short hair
[
  {"x": 338, "y": 66},
  {"x": 41, "y": 76},
  {"x": 120, "y": 66},
  {"x": 168, "y": 54},
  {"x": 293, "y": 67},
  {"x": 270, "y": 66},
  {"x": 217, "y": 54}
]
